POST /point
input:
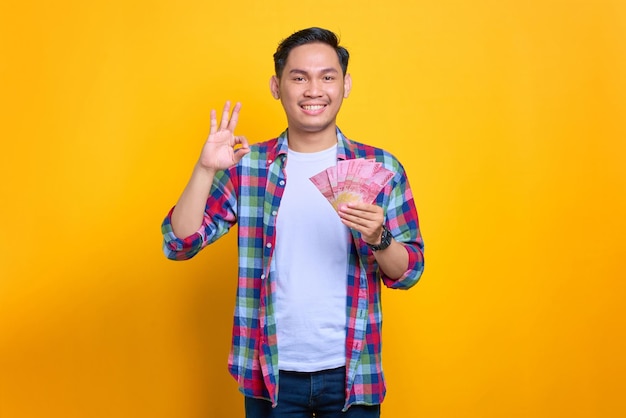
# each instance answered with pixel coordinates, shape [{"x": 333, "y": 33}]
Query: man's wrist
[
  {"x": 385, "y": 240},
  {"x": 204, "y": 170}
]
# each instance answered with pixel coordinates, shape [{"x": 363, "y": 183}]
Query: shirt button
[
  {"x": 268, "y": 245},
  {"x": 262, "y": 276},
  {"x": 282, "y": 182},
  {"x": 269, "y": 161},
  {"x": 274, "y": 213}
]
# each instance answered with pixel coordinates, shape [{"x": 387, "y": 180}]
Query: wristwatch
[{"x": 385, "y": 240}]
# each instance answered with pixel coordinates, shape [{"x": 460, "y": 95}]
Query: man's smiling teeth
[{"x": 312, "y": 107}]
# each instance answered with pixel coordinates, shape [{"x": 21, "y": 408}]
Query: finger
[
  {"x": 363, "y": 210},
  {"x": 234, "y": 117},
  {"x": 356, "y": 219},
  {"x": 361, "y": 229},
  {"x": 243, "y": 141},
  {"x": 366, "y": 228},
  {"x": 213, "y": 122},
  {"x": 239, "y": 153},
  {"x": 225, "y": 113},
  {"x": 363, "y": 225},
  {"x": 362, "y": 206}
]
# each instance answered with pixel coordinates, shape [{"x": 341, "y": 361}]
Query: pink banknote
[{"x": 355, "y": 180}]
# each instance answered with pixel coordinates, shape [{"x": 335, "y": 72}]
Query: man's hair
[{"x": 308, "y": 36}]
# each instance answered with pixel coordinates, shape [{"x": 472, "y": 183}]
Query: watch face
[
  {"x": 387, "y": 236},
  {"x": 385, "y": 240}
]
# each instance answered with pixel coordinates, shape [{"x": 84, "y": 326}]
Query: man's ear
[
  {"x": 274, "y": 87},
  {"x": 347, "y": 86}
]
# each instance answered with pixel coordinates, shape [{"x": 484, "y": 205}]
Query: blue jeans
[{"x": 306, "y": 395}]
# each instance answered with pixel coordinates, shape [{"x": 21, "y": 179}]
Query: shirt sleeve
[
  {"x": 220, "y": 214},
  {"x": 403, "y": 222}
]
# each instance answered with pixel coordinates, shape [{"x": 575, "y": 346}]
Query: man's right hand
[{"x": 220, "y": 150}]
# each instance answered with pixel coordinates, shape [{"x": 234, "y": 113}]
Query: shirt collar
[{"x": 345, "y": 148}]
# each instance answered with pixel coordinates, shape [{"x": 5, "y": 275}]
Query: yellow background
[{"x": 508, "y": 115}]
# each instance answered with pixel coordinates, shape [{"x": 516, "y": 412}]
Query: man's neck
[{"x": 311, "y": 141}]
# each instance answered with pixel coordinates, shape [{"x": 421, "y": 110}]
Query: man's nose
[{"x": 314, "y": 89}]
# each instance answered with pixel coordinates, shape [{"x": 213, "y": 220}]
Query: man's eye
[
  {"x": 329, "y": 78},
  {"x": 298, "y": 79}
]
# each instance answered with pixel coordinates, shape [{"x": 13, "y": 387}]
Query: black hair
[{"x": 308, "y": 36}]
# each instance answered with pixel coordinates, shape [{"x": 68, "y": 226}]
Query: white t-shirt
[{"x": 311, "y": 262}]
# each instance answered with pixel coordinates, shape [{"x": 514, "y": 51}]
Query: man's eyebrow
[{"x": 323, "y": 71}]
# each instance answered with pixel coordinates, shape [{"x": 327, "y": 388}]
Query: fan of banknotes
[{"x": 356, "y": 180}]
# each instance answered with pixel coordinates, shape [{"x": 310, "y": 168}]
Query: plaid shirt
[{"x": 249, "y": 194}]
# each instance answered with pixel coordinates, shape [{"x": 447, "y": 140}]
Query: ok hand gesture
[{"x": 219, "y": 151}]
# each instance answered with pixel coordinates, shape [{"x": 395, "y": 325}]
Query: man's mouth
[{"x": 313, "y": 107}]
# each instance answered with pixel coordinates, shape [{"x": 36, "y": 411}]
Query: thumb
[{"x": 239, "y": 153}]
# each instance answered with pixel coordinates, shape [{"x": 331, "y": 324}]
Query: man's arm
[
  {"x": 368, "y": 220},
  {"x": 218, "y": 153}
]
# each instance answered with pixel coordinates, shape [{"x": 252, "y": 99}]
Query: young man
[{"x": 307, "y": 326}]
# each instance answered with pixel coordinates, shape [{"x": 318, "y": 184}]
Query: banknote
[
  {"x": 353, "y": 180},
  {"x": 320, "y": 180}
]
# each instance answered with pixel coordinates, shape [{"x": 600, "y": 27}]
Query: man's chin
[{"x": 313, "y": 128}]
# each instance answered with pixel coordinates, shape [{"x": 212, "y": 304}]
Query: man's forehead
[{"x": 314, "y": 55}]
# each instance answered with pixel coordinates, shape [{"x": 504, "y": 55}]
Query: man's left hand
[{"x": 365, "y": 218}]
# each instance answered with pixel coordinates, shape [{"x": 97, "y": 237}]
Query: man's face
[{"x": 311, "y": 88}]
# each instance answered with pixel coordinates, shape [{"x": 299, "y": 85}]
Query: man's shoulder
[
  {"x": 363, "y": 150},
  {"x": 366, "y": 149},
  {"x": 264, "y": 146},
  {"x": 267, "y": 143}
]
